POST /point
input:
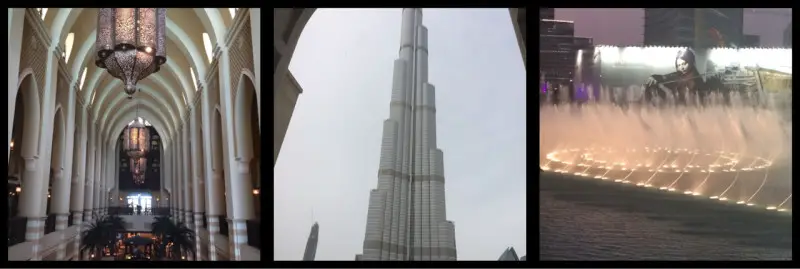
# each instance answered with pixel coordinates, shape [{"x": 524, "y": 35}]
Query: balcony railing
[
  {"x": 16, "y": 230},
  {"x": 159, "y": 211},
  {"x": 223, "y": 225},
  {"x": 254, "y": 233},
  {"x": 50, "y": 224}
]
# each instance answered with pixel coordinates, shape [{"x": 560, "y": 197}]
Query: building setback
[
  {"x": 406, "y": 219},
  {"x": 311, "y": 246}
]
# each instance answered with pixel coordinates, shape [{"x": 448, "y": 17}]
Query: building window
[
  {"x": 233, "y": 12},
  {"x": 83, "y": 77},
  {"x": 194, "y": 78},
  {"x": 42, "y": 11},
  {"x": 209, "y": 47},
  {"x": 68, "y": 46}
]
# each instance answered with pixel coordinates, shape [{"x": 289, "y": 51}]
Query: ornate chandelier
[
  {"x": 138, "y": 168},
  {"x": 137, "y": 140},
  {"x": 131, "y": 43}
]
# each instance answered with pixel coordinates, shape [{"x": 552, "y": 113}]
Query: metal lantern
[
  {"x": 138, "y": 179},
  {"x": 137, "y": 140},
  {"x": 131, "y": 43},
  {"x": 138, "y": 168}
]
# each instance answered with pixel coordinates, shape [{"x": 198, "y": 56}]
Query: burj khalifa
[{"x": 406, "y": 219}]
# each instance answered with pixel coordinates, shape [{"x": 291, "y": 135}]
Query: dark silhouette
[
  {"x": 100, "y": 234},
  {"x": 181, "y": 237}
]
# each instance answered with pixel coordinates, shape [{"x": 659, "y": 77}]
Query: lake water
[{"x": 587, "y": 219}]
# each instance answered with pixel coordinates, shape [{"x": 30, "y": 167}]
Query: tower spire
[
  {"x": 311, "y": 245},
  {"x": 406, "y": 219}
]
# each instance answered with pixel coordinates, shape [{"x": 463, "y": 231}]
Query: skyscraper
[
  {"x": 406, "y": 219},
  {"x": 693, "y": 27},
  {"x": 787, "y": 36},
  {"x": 311, "y": 246}
]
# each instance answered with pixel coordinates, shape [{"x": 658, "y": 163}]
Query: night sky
[{"x": 625, "y": 26}]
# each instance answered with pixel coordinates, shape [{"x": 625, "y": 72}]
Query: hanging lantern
[
  {"x": 131, "y": 43},
  {"x": 137, "y": 140},
  {"x": 138, "y": 179},
  {"x": 138, "y": 168}
]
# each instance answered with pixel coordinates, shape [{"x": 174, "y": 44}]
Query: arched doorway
[
  {"x": 24, "y": 200},
  {"x": 248, "y": 150},
  {"x": 57, "y": 191}
]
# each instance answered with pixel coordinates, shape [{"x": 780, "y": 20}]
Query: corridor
[{"x": 91, "y": 134}]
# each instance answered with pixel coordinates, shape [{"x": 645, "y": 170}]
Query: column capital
[
  {"x": 30, "y": 163},
  {"x": 243, "y": 165}
]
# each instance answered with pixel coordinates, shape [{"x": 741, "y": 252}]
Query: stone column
[
  {"x": 187, "y": 175},
  {"x": 78, "y": 193},
  {"x": 169, "y": 178},
  {"x": 240, "y": 198},
  {"x": 179, "y": 179},
  {"x": 210, "y": 177},
  {"x": 175, "y": 181},
  {"x": 214, "y": 209},
  {"x": 197, "y": 181},
  {"x": 16, "y": 21},
  {"x": 30, "y": 205},
  {"x": 98, "y": 177},
  {"x": 255, "y": 35},
  {"x": 175, "y": 197},
  {"x": 243, "y": 210},
  {"x": 88, "y": 197},
  {"x": 60, "y": 207},
  {"x": 34, "y": 231},
  {"x": 61, "y": 224}
]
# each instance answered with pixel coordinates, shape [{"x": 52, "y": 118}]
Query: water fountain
[{"x": 727, "y": 146}]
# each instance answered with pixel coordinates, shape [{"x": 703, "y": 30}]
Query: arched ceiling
[{"x": 164, "y": 96}]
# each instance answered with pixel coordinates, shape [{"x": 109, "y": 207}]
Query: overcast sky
[
  {"x": 625, "y": 26},
  {"x": 329, "y": 159}
]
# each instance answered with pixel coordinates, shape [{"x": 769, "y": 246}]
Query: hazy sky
[
  {"x": 625, "y": 26},
  {"x": 329, "y": 159}
]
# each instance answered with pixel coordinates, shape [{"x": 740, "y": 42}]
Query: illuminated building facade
[{"x": 558, "y": 55}]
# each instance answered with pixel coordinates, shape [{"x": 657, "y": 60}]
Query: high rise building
[
  {"x": 558, "y": 57},
  {"x": 558, "y": 48},
  {"x": 509, "y": 255},
  {"x": 406, "y": 219},
  {"x": 787, "y": 36},
  {"x": 311, "y": 246},
  {"x": 751, "y": 41},
  {"x": 693, "y": 27},
  {"x": 547, "y": 13}
]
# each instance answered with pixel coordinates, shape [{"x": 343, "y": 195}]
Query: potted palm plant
[
  {"x": 176, "y": 238},
  {"x": 101, "y": 234}
]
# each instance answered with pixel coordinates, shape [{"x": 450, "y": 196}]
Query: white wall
[{"x": 48, "y": 244}]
